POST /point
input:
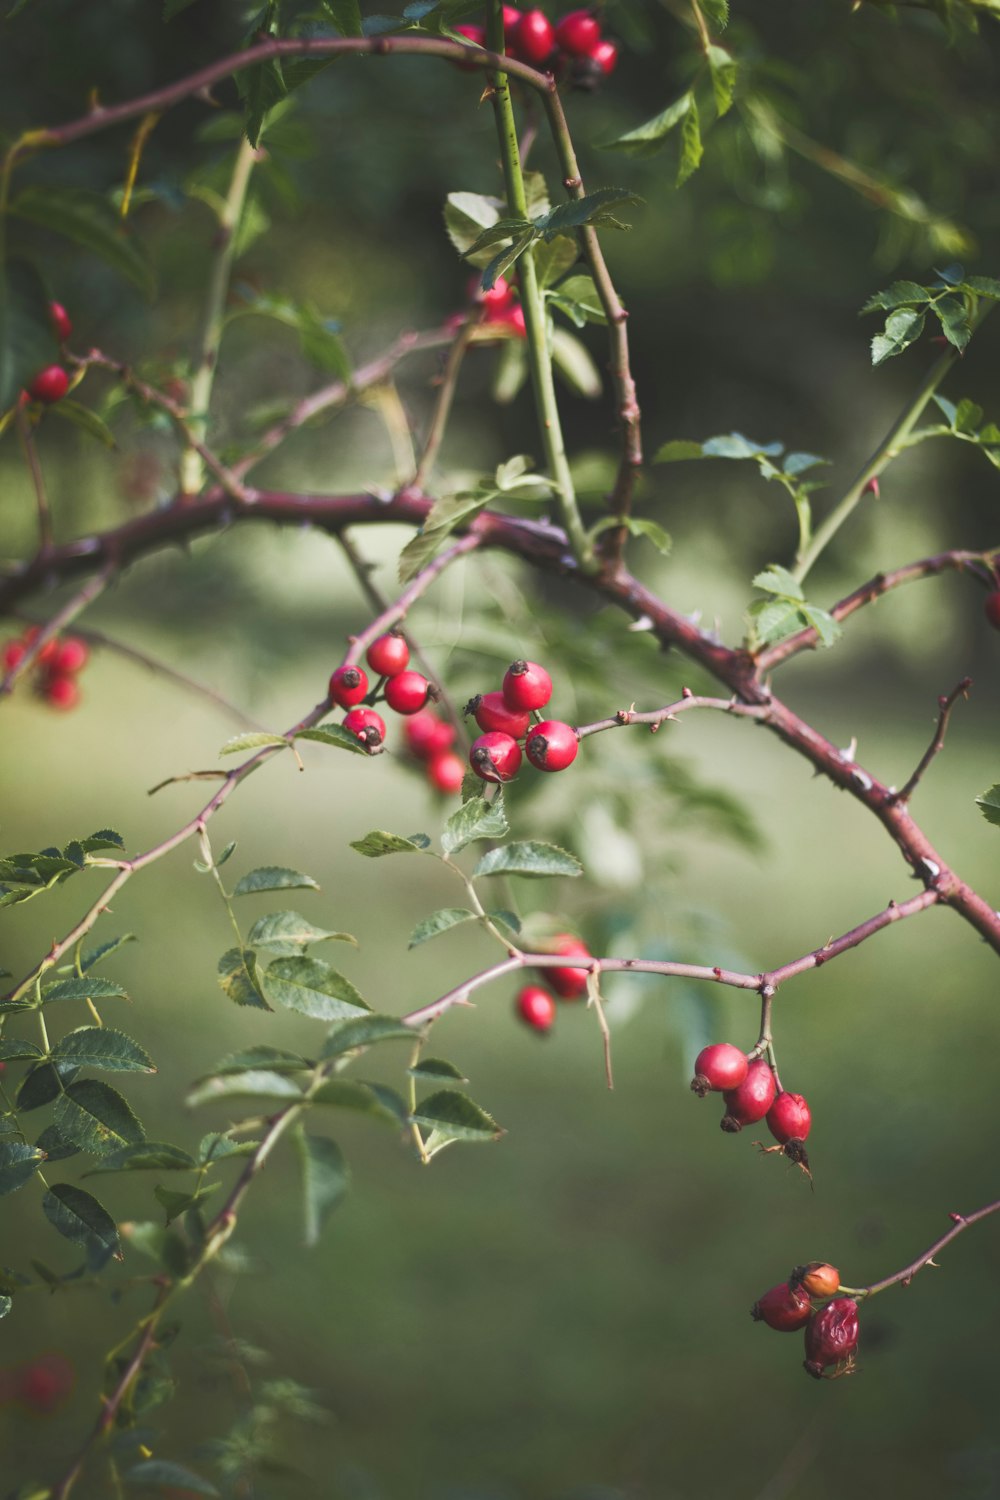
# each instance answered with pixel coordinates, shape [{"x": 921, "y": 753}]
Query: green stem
[
  {"x": 539, "y": 357},
  {"x": 192, "y": 472}
]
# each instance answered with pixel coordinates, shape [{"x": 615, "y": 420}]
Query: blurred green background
[{"x": 563, "y": 1314}]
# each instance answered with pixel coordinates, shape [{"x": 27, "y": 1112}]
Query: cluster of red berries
[
  {"x": 510, "y": 716},
  {"x": 51, "y": 384},
  {"x": 751, "y": 1093},
  {"x": 56, "y": 667},
  {"x": 831, "y": 1330},
  {"x": 533, "y": 1004},
  {"x": 573, "y": 48}
]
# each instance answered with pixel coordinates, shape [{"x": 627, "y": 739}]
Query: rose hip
[
  {"x": 407, "y": 692},
  {"x": 388, "y": 655},
  {"x": 568, "y": 983},
  {"x": 818, "y": 1278},
  {"x": 427, "y": 735},
  {"x": 495, "y": 757},
  {"x": 367, "y": 725},
  {"x": 446, "y": 772},
  {"x": 832, "y": 1337},
  {"x": 490, "y": 711},
  {"x": 552, "y": 745},
  {"x": 526, "y": 686},
  {"x": 751, "y": 1100},
  {"x": 536, "y": 1007},
  {"x": 717, "y": 1068},
  {"x": 788, "y": 1118},
  {"x": 784, "y": 1307},
  {"x": 348, "y": 685}
]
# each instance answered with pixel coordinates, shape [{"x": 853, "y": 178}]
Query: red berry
[
  {"x": 515, "y": 321},
  {"x": 407, "y": 692},
  {"x": 490, "y": 711},
  {"x": 526, "y": 685},
  {"x": 13, "y": 654},
  {"x": 45, "y": 1383},
  {"x": 60, "y": 321},
  {"x": 475, "y": 34},
  {"x": 536, "y": 1007},
  {"x": 784, "y": 1308},
  {"x": 578, "y": 33},
  {"x": 46, "y": 653},
  {"x": 511, "y": 20},
  {"x": 552, "y": 745},
  {"x": 446, "y": 772},
  {"x": 496, "y": 301},
  {"x": 427, "y": 735},
  {"x": 348, "y": 685},
  {"x": 495, "y": 756},
  {"x": 367, "y": 725},
  {"x": 569, "y": 984},
  {"x": 818, "y": 1278},
  {"x": 604, "y": 55},
  {"x": 832, "y": 1336},
  {"x": 991, "y": 605},
  {"x": 789, "y": 1119},
  {"x": 61, "y": 692},
  {"x": 49, "y": 385},
  {"x": 70, "y": 656},
  {"x": 752, "y": 1099},
  {"x": 388, "y": 655},
  {"x": 534, "y": 38},
  {"x": 718, "y": 1068}
]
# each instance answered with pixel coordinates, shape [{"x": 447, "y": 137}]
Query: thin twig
[
  {"x": 945, "y": 704},
  {"x": 442, "y": 407},
  {"x": 51, "y": 628},
  {"x": 27, "y": 437},
  {"x": 960, "y": 1223}
]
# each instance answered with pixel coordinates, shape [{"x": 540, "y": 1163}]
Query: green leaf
[
  {"x": 734, "y": 445},
  {"x": 87, "y": 219},
  {"x": 968, "y": 416},
  {"x": 636, "y": 526},
  {"x": 377, "y": 843},
  {"x": 325, "y": 1180},
  {"x": 438, "y": 922},
  {"x": 18, "y": 1164},
  {"x": 775, "y": 618},
  {"x": 345, "y": 15},
  {"x": 953, "y": 316},
  {"x": 528, "y": 858},
  {"x": 334, "y": 735},
  {"x": 592, "y": 208},
  {"x": 778, "y": 580},
  {"x": 680, "y": 448},
  {"x": 259, "y": 1084},
  {"x": 12, "y": 1049},
  {"x": 572, "y": 360},
  {"x": 174, "y": 1204},
  {"x": 652, "y": 134},
  {"x": 475, "y": 819},
  {"x": 6, "y": 1303},
  {"x": 434, "y": 1069},
  {"x": 262, "y": 86},
  {"x": 104, "y": 950},
  {"x": 79, "y": 1217},
  {"x": 101, "y": 1047},
  {"x": 286, "y": 933},
  {"x": 419, "y": 550},
  {"x": 724, "y": 69},
  {"x": 452, "y": 1116},
  {"x": 216, "y": 1146},
  {"x": 243, "y": 742},
  {"x": 365, "y": 1031},
  {"x": 86, "y": 420},
  {"x": 88, "y": 988},
  {"x": 823, "y": 623},
  {"x": 577, "y": 298},
  {"x": 504, "y": 259},
  {"x": 897, "y": 295},
  {"x": 553, "y": 259},
  {"x": 251, "y": 1059},
  {"x": 144, "y": 1156},
  {"x": 989, "y": 805},
  {"x": 273, "y": 878},
  {"x": 367, "y": 1098},
  {"x": 157, "y": 1473},
  {"x": 902, "y": 328},
  {"x": 312, "y": 988},
  {"x": 26, "y": 339},
  {"x": 692, "y": 149},
  {"x": 797, "y": 463},
  {"x": 239, "y": 978},
  {"x": 983, "y": 286},
  {"x": 95, "y": 1117},
  {"x": 44, "y": 1083},
  {"x": 717, "y": 12},
  {"x": 55, "y": 1145}
]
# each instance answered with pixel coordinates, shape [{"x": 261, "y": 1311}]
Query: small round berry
[
  {"x": 427, "y": 735},
  {"x": 718, "y": 1068},
  {"x": 446, "y": 772},
  {"x": 552, "y": 745},
  {"x": 70, "y": 656},
  {"x": 476, "y": 35},
  {"x": 832, "y": 1336},
  {"x": 534, "y": 38},
  {"x": 367, "y": 725},
  {"x": 13, "y": 654},
  {"x": 495, "y": 756},
  {"x": 490, "y": 711},
  {"x": 60, "y": 321},
  {"x": 389, "y": 655},
  {"x": 789, "y": 1118},
  {"x": 526, "y": 685},
  {"x": 784, "y": 1308},
  {"x": 49, "y": 385},
  {"x": 569, "y": 984},
  {"x": 348, "y": 685},
  {"x": 514, "y": 320},
  {"x": 536, "y": 1007},
  {"x": 578, "y": 33},
  {"x": 61, "y": 692},
  {"x": 818, "y": 1278},
  {"x": 45, "y": 656},
  {"x": 604, "y": 54},
  {"x": 991, "y": 606},
  {"x": 45, "y": 1383},
  {"x": 407, "y": 692},
  {"x": 751, "y": 1100},
  {"x": 511, "y": 20},
  {"x": 496, "y": 301}
]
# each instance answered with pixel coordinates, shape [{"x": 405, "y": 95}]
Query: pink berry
[
  {"x": 61, "y": 692},
  {"x": 604, "y": 55},
  {"x": 750, "y": 1100},
  {"x": 367, "y": 725},
  {"x": 991, "y": 606},
  {"x": 569, "y": 984},
  {"x": 536, "y": 1007},
  {"x": 389, "y": 655},
  {"x": 49, "y": 385},
  {"x": 348, "y": 685},
  {"x": 446, "y": 772},
  {"x": 407, "y": 692},
  {"x": 70, "y": 656},
  {"x": 497, "y": 301},
  {"x": 476, "y": 35},
  {"x": 490, "y": 711},
  {"x": 13, "y": 654},
  {"x": 578, "y": 33},
  {"x": 495, "y": 756},
  {"x": 45, "y": 1383},
  {"x": 551, "y": 745},
  {"x": 60, "y": 321},
  {"x": 832, "y": 1337},
  {"x": 718, "y": 1068},
  {"x": 784, "y": 1308},
  {"x": 789, "y": 1118},
  {"x": 427, "y": 735},
  {"x": 534, "y": 38},
  {"x": 526, "y": 686}
]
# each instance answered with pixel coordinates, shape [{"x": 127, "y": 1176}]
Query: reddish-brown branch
[
  {"x": 945, "y": 704},
  {"x": 960, "y": 1223}
]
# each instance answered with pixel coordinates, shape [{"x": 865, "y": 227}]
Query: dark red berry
[
  {"x": 495, "y": 756},
  {"x": 526, "y": 686},
  {"x": 788, "y": 1118},
  {"x": 45, "y": 1383},
  {"x": 991, "y": 606},
  {"x": 60, "y": 321},
  {"x": 446, "y": 772},
  {"x": 511, "y": 20},
  {"x": 832, "y": 1337},
  {"x": 13, "y": 654},
  {"x": 569, "y": 984},
  {"x": 752, "y": 1099},
  {"x": 389, "y": 655},
  {"x": 45, "y": 656},
  {"x": 784, "y": 1308},
  {"x": 49, "y": 385},
  {"x": 407, "y": 692},
  {"x": 578, "y": 33},
  {"x": 536, "y": 1007},
  {"x": 604, "y": 55},
  {"x": 427, "y": 735},
  {"x": 61, "y": 692},
  {"x": 348, "y": 685},
  {"x": 718, "y": 1068},
  {"x": 490, "y": 711},
  {"x": 818, "y": 1278},
  {"x": 367, "y": 725},
  {"x": 70, "y": 656},
  {"x": 552, "y": 745},
  {"x": 533, "y": 39}
]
